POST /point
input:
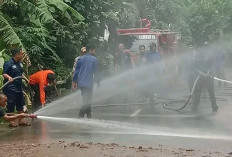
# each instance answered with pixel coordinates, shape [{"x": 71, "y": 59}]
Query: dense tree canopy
[
  {"x": 40, "y": 27},
  {"x": 52, "y": 32}
]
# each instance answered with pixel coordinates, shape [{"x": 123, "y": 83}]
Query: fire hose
[
  {"x": 186, "y": 102},
  {"x": 171, "y": 101}
]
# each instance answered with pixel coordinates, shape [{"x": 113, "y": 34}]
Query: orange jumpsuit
[{"x": 40, "y": 78}]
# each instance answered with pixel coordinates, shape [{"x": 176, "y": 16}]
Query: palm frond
[
  {"x": 40, "y": 13},
  {"x": 9, "y": 35},
  {"x": 62, "y": 6},
  {"x": 43, "y": 5},
  {"x": 57, "y": 58}
]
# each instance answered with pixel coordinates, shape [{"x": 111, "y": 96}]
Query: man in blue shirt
[
  {"x": 85, "y": 72},
  {"x": 11, "y": 69},
  {"x": 152, "y": 58}
]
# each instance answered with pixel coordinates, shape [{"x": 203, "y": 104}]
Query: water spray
[
  {"x": 218, "y": 79},
  {"x": 171, "y": 101}
]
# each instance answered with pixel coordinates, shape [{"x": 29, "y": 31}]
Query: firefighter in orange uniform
[{"x": 38, "y": 81}]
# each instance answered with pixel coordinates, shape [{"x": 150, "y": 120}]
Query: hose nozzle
[{"x": 32, "y": 116}]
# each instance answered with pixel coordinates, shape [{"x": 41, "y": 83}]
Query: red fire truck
[{"x": 165, "y": 40}]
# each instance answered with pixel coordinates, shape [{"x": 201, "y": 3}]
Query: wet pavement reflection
[{"x": 148, "y": 124}]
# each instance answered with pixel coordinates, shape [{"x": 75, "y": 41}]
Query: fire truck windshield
[{"x": 137, "y": 42}]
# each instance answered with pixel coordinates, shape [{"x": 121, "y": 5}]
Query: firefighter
[
  {"x": 13, "y": 90},
  {"x": 203, "y": 68},
  {"x": 38, "y": 81}
]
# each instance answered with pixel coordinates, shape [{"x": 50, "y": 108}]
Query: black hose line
[
  {"x": 165, "y": 104},
  {"x": 29, "y": 87},
  {"x": 125, "y": 104},
  {"x": 167, "y": 101},
  {"x": 186, "y": 102}
]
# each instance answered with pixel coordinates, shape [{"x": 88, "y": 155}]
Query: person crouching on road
[
  {"x": 9, "y": 117},
  {"x": 38, "y": 81},
  {"x": 84, "y": 75}
]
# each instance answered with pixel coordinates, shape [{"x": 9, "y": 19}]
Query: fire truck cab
[{"x": 165, "y": 40}]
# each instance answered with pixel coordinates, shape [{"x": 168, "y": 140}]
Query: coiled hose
[
  {"x": 171, "y": 101},
  {"x": 167, "y": 102},
  {"x": 186, "y": 102}
]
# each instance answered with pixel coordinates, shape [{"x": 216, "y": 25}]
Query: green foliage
[
  {"x": 53, "y": 31},
  {"x": 41, "y": 28},
  {"x": 64, "y": 8},
  {"x": 206, "y": 20},
  {"x": 197, "y": 20},
  {"x": 9, "y": 36},
  {"x": 3, "y": 58}
]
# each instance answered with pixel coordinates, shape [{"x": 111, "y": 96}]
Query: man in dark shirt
[
  {"x": 141, "y": 56},
  {"x": 11, "y": 69},
  {"x": 203, "y": 67},
  {"x": 122, "y": 59}
]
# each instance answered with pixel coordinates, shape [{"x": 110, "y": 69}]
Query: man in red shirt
[{"x": 38, "y": 81}]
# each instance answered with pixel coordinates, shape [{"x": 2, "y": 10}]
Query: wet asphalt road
[{"x": 143, "y": 124}]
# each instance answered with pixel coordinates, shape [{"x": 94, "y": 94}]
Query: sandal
[
  {"x": 24, "y": 124},
  {"x": 12, "y": 125}
]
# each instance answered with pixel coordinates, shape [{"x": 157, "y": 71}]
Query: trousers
[{"x": 87, "y": 95}]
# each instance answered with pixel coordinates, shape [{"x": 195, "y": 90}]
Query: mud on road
[{"x": 84, "y": 149}]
